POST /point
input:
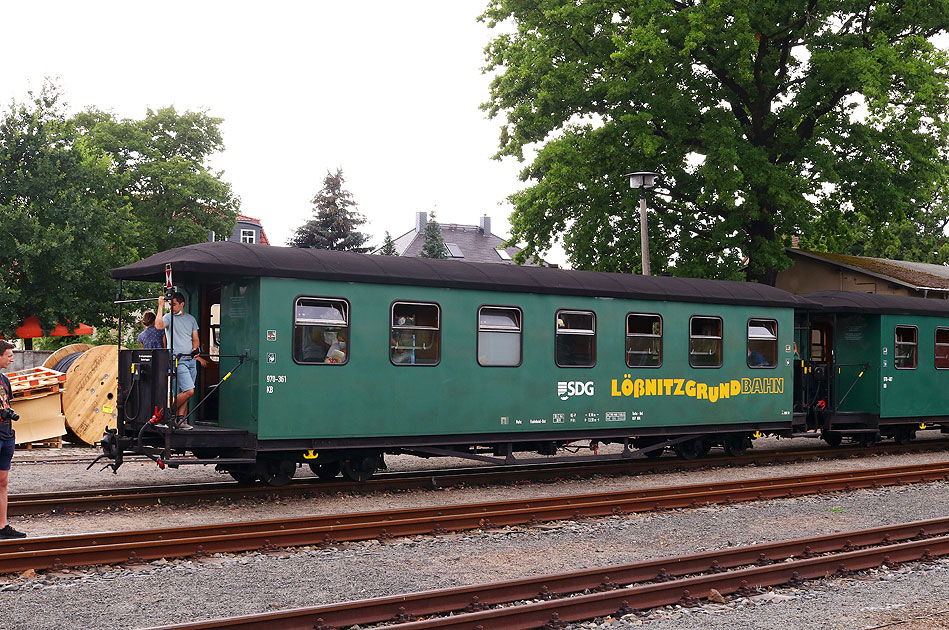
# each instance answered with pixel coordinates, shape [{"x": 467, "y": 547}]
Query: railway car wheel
[
  {"x": 360, "y": 468},
  {"x": 904, "y": 435},
  {"x": 692, "y": 449},
  {"x": 242, "y": 476},
  {"x": 654, "y": 454},
  {"x": 276, "y": 472},
  {"x": 833, "y": 439},
  {"x": 325, "y": 471},
  {"x": 867, "y": 440},
  {"x": 736, "y": 445}
]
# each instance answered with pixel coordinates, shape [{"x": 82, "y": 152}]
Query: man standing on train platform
[
  {"x": 184, "y": 349},
  {"x": 7, "y": 440}
]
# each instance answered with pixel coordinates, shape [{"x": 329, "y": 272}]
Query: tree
[
  {"x": 388, "y": 246},
  {"x": 63, "y": 227},
  {"x": 162, "y": 162},
  {"x": 764, "y": 120},
  {"x": 335, "y": 219},
  {"x": 433, "y": 244}
]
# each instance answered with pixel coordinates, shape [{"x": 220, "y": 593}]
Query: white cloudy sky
[{"x": 388, "y": 91}]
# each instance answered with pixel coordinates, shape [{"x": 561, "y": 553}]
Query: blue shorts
[
  {"x": 187, "y": 372},
  {"x": 6, "y": 453}
]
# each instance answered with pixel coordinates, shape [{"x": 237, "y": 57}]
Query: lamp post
[{"x": 643, "y": 180}]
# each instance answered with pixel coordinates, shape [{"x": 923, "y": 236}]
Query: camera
[{"x": 8, "y": 414}]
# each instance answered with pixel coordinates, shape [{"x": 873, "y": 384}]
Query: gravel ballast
[{"x": 176, "y": 591}]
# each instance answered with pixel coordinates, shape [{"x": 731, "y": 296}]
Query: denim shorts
[
  {"x": 187, "y": 372},
  {"x": 6, "y": 453}
]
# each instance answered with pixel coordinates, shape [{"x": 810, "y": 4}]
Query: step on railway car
[{"x": 335, "y": 359}]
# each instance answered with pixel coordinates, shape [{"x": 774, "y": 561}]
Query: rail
[
  {"x": 616, "y": 590},
  {"x": 133, "y": 546}
]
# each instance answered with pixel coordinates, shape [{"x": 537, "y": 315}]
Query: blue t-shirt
[
  {"x": 185, "y": 324},
  {"x": 151, "y": 338}
]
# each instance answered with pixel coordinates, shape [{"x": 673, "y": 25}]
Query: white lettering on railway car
[
  {"x": 616, "y": 416},
  {"x": 568, "y": 389}
]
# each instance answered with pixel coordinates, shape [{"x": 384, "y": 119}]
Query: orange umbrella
[{"x": 30, "y": 329}]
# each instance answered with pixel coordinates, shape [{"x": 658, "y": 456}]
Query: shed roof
[
  {"x": 239, "y": 259},
  {"x": 912, "y": 274},
  {"x": 851, "y": 302}
]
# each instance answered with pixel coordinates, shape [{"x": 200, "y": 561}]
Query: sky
[{"x": 389, "y": 92}]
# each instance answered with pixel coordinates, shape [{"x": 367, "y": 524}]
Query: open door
[
  {"x": 819, "y": 372},
  {"x": 209, "y": 334}
]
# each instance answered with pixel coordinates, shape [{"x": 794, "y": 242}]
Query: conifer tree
[
  {"x": 388, "y": 246},
  {"x": 335, "y": 219},
  {"x": 433, "y": 245}
]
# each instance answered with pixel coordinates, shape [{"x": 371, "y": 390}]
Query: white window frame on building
[{"x": 249, "y": 236}]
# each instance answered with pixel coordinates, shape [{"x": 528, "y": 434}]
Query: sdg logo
[{"x": 566, "y": 389}]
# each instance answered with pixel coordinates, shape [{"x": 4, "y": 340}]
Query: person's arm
[
  {"x": 160, "y": 320},
  {"x": 196, "y": 344}
]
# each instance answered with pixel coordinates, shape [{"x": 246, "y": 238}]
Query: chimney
[
  {"x": 484, "y": 224},
  {"x": 421, "y": 218}
]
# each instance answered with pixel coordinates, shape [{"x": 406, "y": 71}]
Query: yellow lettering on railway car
[{"x": 712, "y": 392}]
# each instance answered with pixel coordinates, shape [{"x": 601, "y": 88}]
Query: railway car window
[
  {"x": 942, "y": 348},
  {"x": 762, "y": 343},
  {"x": 575, "y": 343},
  {"x": 415, "y": 334},
  {"x": 643, "y": 340},
  {"x": 705, "y": 342},
  {"x": 214, "y": 344},
  {"x": 499, "y": 336},
  {"x": 320, "y": 331},
  {"x": 904, "y": 350}
]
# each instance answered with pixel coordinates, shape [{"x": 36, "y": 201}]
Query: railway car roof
[
  {"x": 228, "y": 259},
  {"x": 851, "y": 302}
]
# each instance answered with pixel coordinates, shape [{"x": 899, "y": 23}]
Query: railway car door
[
  {"x": 209, "y": 333},
  {"x": 819, "y": 373}
]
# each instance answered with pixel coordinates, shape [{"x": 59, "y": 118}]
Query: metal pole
[{"x": 643, "y": 227}]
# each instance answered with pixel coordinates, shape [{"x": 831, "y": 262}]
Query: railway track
[
  {"x": 133, "y": 546},
  {"x": 24, "y": 504},
  {"x": 550, "y": 601}
]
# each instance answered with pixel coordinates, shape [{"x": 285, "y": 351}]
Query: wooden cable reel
[{"x": 90, "y": 395}]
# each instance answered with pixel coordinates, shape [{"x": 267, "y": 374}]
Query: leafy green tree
[
  {"x": 162, "y": 163},
  {"x": 388, "y": 246},
  {"x": 433, "y": 244},
  {"x": 63, "y": 227},
  {"x": 763, "y": 119},
  {"x": 335, "y": 219}
]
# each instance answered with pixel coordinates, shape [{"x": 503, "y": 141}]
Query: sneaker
[
  {"x": 184, "y": 426},
  {"x": 8, "y": 532}
]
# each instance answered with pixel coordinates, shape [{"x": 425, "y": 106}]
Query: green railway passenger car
[
  {"x": 335, "y": 359},
  {"x": 879, "y": 365}
]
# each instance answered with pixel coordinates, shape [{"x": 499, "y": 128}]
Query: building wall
[
  {"x": 243, "y": 225},
  {"x": 23, "y": 359},
  {"x": 809, "y": 276}
]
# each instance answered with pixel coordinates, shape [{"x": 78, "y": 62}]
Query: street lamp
[{"x": 642, "y": 180}]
